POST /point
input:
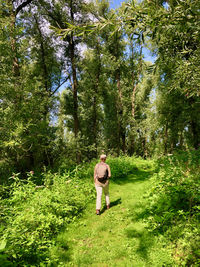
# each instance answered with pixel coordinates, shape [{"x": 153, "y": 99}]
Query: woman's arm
[
  {"x": 95, "y": 173},
  {"x": 109, "y": 172}
]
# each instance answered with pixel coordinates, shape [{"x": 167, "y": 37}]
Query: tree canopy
[{"x": 75, "y": 82}]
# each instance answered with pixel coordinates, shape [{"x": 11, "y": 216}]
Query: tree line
[{"x": 75, "y": 82}]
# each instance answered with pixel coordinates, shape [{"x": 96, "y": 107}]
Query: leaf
[{"x": 3, "y": 244}]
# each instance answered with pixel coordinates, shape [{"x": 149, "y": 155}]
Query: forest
[{"x": 78, "y": 79}]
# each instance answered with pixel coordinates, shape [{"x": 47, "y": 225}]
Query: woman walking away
[{"x": 102, "y": 175}]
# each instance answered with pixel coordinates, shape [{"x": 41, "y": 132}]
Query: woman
[{"x": 102, "y": 175}]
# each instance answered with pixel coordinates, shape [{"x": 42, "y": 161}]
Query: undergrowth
[
  {"x": 174, "y": 205},
  {"x": 32, "y": 216}
]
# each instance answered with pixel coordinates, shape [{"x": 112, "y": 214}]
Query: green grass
[{"x": 118, "y": 236}]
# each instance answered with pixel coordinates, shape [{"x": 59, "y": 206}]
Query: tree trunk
[
  {"x": 195, "y": 133},
  {"x": 13, "y": 16},
  {"x": 96, "y": 86},
  {"x": 194, "y": 123},
  {"x": 145, "y": 147},
  {"x": 135, "y": 81},
  {"x": 122, "y": 135},
  {"x": 44, "y": 68},
  {"x": 43, "y": 56},
  {"x": 181, "y": 140},
  {"x": 95, "y": 123},
  {"x": 166, "y": 139},
  {"x": 75, "y": 83},
  {"x": 15, "y": 66},
  {"x": 133, "y": 99}
]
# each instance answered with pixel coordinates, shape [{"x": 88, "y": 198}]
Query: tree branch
[
  {"x": 20, "y": 7},
  {"x": 55, "y": 90}
]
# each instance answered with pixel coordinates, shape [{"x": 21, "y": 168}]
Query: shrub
[
  {"x": 33, "y": 216},
  {"x": 123, "y": 166},
  {"x": 6, "y": 169},
  {"x": 174, "y": 204}
]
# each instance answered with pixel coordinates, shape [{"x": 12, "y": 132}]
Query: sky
[
  {"x": 147, "y": 54},
  {"x": 116, "y": 3}
]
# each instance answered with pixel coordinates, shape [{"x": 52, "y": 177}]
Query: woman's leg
[
  {"x": 106, "y": 192},
  {"x": 99, "y": 194}
]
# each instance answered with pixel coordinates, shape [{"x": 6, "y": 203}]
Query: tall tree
[{"x": 73, "y": 13}]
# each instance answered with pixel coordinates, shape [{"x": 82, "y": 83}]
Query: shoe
[
  {"x": 98, "y": 212},
  {"x": 108, "y": 206}
]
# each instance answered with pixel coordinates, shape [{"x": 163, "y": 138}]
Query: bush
[
  {"x": 174, "y": 204},
  {"x": 123, "y": 166},
  {"x": 32, "y": 216},
  {"x": 6, "y": 169}
]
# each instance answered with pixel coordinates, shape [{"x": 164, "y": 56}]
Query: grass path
[{"x": 118, "y": 236}]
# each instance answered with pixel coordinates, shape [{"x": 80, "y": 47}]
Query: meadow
[{"x": 153, "y": 219}]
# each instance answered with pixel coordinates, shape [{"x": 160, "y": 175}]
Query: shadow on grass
[
  {"x": 145, "y": 241},
  {"x": 112, "y": 204},
  {"x": 62, "y": 249},
  {"x": 136, "y": 176},
  {"x": 138, "y": 212}
]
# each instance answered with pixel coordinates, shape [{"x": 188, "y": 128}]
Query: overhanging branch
[
  {"x": 55, "y": 90},
  {"x": 20, "y": 7}
]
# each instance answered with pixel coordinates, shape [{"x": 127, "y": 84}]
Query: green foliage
[
  {"x": 121, "y": 228},
  {"x": 33, "y": 215},
  {"x": 114, "y": 101},
  {"x": 122, "y": 166},
  {"x": 174, "y": 203}
]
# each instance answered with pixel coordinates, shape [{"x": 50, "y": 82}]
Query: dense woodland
[{"x": 75, "y": 82}]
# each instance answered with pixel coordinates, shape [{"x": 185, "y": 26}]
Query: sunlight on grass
[{"x": 118, "y": 237}]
